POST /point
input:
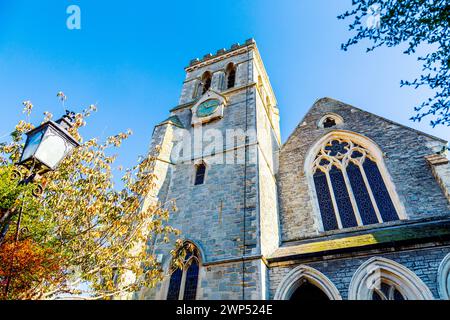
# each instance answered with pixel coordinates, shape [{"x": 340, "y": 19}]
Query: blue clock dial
[{"x": 207, "y": 108}]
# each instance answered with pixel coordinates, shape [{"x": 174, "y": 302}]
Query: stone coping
[{"x": 417, "y": 232}]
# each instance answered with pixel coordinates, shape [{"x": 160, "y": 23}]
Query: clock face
[{"x": 207, "y": 108}]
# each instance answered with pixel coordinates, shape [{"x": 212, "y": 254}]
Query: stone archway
[
  {"x": 376, "y": 270},
  {"x": 296, "y": 277}
]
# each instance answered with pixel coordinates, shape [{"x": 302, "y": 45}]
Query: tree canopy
[
  {"x": 416, "y": 24},
  {"x": 82, "y": 230}
]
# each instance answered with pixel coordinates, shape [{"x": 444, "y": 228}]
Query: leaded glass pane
[
  {"x": 376, "y": 296},
  {"x": 398, "y": 296},
  {"x": 386, "y": 289},
  {"x": 387, "y": 292},
  {"x": 336, "y": 148},
  {"x": 190, "y": 289},
  {"x": 380, "y": 192},
  {"x": 325, "y": 203},
  {"x": 174, "y": 285},
  {"x": 365, "y": 207},
  {"x": 342, "y": 197}
]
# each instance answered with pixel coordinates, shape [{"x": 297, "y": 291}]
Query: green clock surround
[{"x": 207, "y": 108}]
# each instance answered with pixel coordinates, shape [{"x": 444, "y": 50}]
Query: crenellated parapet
[{"x": 221, "y": 54}]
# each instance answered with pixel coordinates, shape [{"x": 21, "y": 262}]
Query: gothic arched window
[
  {"x": 350, "y": 187},
  {"x": 184, "y": 281},
  {"x": 383, "y": 279},
  {"x": 231, "y": 75},
  {"x": 206, "y": 80}
]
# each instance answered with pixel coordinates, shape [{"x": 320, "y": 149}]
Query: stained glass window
[
  {"x": 190, "y": 288},
  {"x": 380, "y": 192},
  {"x": 342, "y": 198},
  {"x": 336, "y": 147},
  {"x": 184, "y": 281},
  {"x": 365, "y": 207},
  {"x": 325, "y": 204},
  {"x": 175, "y": 285},
  {"x": 342, "y": 166}
]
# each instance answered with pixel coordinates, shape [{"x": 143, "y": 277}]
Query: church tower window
[
  {"x": 200, "y": 174},
  {"x": 350, "y": 188},
  {"x": 184, "y": 281},
  {"x": 231, "y": 75},
  {"x": 206, "y": 80}
]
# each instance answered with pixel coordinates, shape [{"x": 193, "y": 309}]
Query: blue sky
[{"x": 129, "y": 59}]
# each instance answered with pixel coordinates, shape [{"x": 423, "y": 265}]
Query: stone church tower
[{"x": 352, "y": 206}]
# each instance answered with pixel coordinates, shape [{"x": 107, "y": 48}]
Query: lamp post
[{"x": 45, "y": 148}]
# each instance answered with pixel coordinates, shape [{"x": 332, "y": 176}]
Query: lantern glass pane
[
  {"x": 53, "y": 149},
  {"x": 32, "y": 145}
]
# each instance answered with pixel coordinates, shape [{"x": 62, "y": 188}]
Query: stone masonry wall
[{"x": 423, "y": 262}]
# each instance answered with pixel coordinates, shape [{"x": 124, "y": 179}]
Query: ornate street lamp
[
  {"x": 48, "y": 144},
  {"x": 45, "y": 148}
]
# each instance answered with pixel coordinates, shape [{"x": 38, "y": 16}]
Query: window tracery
[{"x": 350, "y": 187}]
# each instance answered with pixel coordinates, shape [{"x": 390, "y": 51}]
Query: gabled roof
[{"x": 345, "y": 105}]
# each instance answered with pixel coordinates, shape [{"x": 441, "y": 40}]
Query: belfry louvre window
[
  {"x": 350, "y": 187},
  {"x": 231, "y": 75},
  {"x": 206, "y": 80},
  {"x": 184, "y": 281}
]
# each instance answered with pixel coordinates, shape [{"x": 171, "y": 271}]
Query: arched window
[
  {"x": 330, "y": 120},
  {"x": 231, "y": 75},
  {"x": 206, "y": 80},
  {"x": 200, "y": 171},
  {"x": 383, "y": 279},
  {"x": 184, "y": 281},
  {"x": 349, "y": 186}
]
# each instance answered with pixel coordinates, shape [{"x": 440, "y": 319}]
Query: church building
[{"x": 352, "y": 206}]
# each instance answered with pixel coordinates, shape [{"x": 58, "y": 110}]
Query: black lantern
[{"x": 48, "y": 144}]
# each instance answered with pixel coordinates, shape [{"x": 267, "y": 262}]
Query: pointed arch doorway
[
  {"x": 308, "y": 292},
  {"x": 307, "y": 284}
]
